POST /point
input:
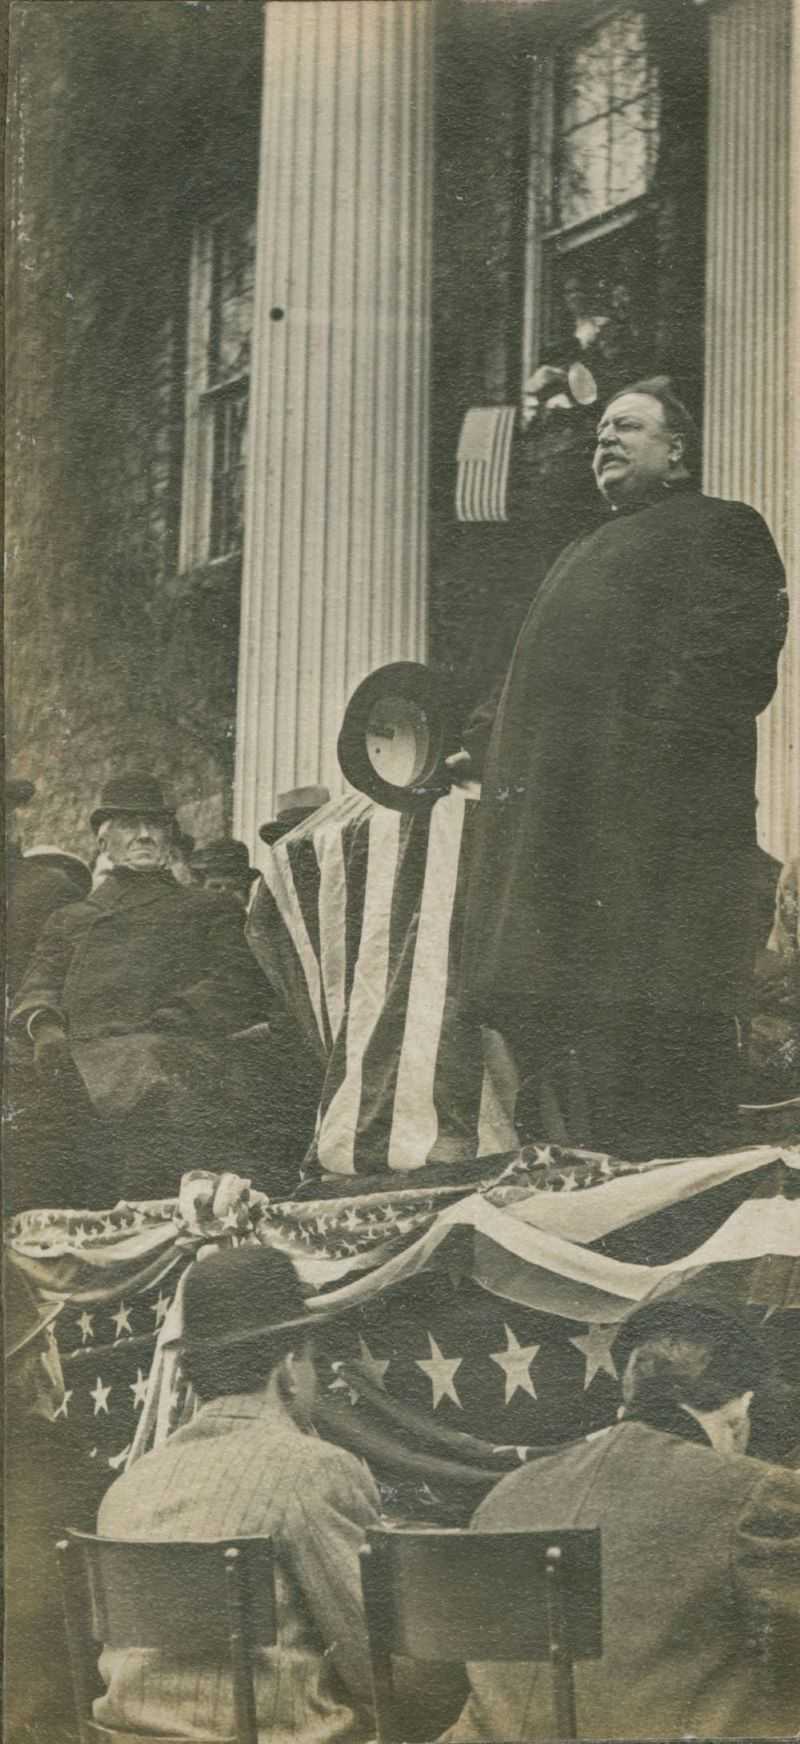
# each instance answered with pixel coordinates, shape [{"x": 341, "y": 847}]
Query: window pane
[
  {"x": 627, "y": 57},
  {"x": 231, "y": 297},
  {"x": 587, "y": 81},
  {"x": 607, "y": 124},
  {"x": 229, "y": 414},
  {"x": 582, "y": 190},
  {"x": 631, "y": 155}
]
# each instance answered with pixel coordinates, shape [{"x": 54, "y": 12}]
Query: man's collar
[
  {"x": 123, "y": 888},
  {"x": 248, "y": 1405}
]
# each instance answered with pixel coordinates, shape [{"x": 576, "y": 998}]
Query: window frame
[{"x": 202, "y": 396}]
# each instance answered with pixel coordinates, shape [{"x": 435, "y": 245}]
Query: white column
[
  {"x": 334, "y": 571},
  {"x": 753, "y": 334}
]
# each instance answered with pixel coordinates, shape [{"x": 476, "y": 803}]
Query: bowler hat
[
  {"x": 18, "y": 792},
  {"x": 224, "y": 858},
  {"x": 293, "y": 808},
  {"x": 135, "y": 794},
  {"x": 241, "y": 1294}
]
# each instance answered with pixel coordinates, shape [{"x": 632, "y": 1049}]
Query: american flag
[
  {"x": 358, "y": 923},
  {"x": 477, "y": 1318}
]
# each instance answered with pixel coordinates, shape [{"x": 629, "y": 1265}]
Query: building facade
[{"x": 255, "y": 297}]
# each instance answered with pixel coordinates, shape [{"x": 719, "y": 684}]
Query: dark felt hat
[
  {"x": 72, "y": 864},
  {"x": 293, "y": 808},
  {"x": 18, "y": 792},
  {"x": 135, "y": 794},
  {"x": 240, "y": 1294},
  {"x": 224, "y": 858}
]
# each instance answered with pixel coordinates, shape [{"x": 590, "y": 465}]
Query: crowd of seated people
[{"x": 700, "y": 1542}]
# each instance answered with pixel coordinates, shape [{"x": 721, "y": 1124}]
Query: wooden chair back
[
  {"x": 199, "y": 1602},
  {"x": 461, "y": 1596}
]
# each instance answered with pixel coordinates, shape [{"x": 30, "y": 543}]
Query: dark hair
[
  {"x": 702, "y": 1369},
  {"x": 677, "y": 416},
  {"x": 239, "y": 1368}
]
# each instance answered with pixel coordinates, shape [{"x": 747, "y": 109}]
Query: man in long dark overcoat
[
  {"x": 609, "y": 928},
  {"x": 126, "y": 1007}
]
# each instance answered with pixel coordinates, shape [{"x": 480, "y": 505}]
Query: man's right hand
[{"x": 51, "y": 1054}]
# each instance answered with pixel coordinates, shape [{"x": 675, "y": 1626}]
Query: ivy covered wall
[{"x": 128, "y": 122}]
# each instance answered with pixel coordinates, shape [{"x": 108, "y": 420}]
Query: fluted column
[
  {"x": 334, "y": 571},
  {"x": 753, "y": 334}
]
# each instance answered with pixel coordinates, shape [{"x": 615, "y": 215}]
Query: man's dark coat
[
  {"x": 34, "y": 889},
  {"x": 615, "y": 856},
  {"x": 139, "y": 945}
]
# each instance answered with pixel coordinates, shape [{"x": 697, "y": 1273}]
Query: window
[
  {"x": 607, "y": 122},
  {"x": 221, "y": 285},
  {"x": 592, "y": 234}
]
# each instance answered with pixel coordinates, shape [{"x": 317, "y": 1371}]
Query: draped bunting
[
  {"x": 476, "y": 1319},
  {"x": 357, "y": 922}
]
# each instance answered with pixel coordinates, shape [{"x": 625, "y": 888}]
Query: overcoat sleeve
[
  {"x": 43, "y": 983},
  {"x": 729, "y": 634},
  {"x": 229, "y": 992}
]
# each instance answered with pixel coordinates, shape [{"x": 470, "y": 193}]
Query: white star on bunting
[
  {"x": 86, "y": 1324},
  {"x": 101, "y": 1395},
  {"x": 515, "y": 1361},
  {"x": 374, "y": 1367},
  {"x": 122, "y": 1321},
  {"x": 138, "y": 1388},
  {"x": 595, "y": 1345},
  {"x": 160, "y": 1307},
  {"x": 440, "y": 1371},
  {"x": 63, "y": 1409}
]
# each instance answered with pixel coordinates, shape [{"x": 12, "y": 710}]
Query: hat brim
[
  {"x": 408, "y": 682},
  {"x": 272, "y": 832},
  {"x": 162, "y": 814}
]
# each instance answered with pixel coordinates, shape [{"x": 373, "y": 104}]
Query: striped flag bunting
[
  {"x": 358, "y": 922},
  {"x": 476, "y": 1320}
]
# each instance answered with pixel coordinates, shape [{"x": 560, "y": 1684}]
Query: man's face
[
  {"x": 140, "y": 843},
  {"x": 635, "y": 451}
]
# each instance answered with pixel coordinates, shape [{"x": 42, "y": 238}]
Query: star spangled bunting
[
  {"x": 101, "y": 1396},
  {"x": 595, "y": 1345},
  {"x": 516, "y": 1361},
  {"x": 441, "y": 1371}
]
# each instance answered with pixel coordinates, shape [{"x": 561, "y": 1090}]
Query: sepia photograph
[{"x": 401, "y": 1084}]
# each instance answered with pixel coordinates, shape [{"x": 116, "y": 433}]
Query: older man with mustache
[{"x": 609, "y": 929}]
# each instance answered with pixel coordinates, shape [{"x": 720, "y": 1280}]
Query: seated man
[
  {"x": 247, "y": 1467},
  {"x": 123, "y": 1015},
  {"x": 700, "y": 1550}
]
